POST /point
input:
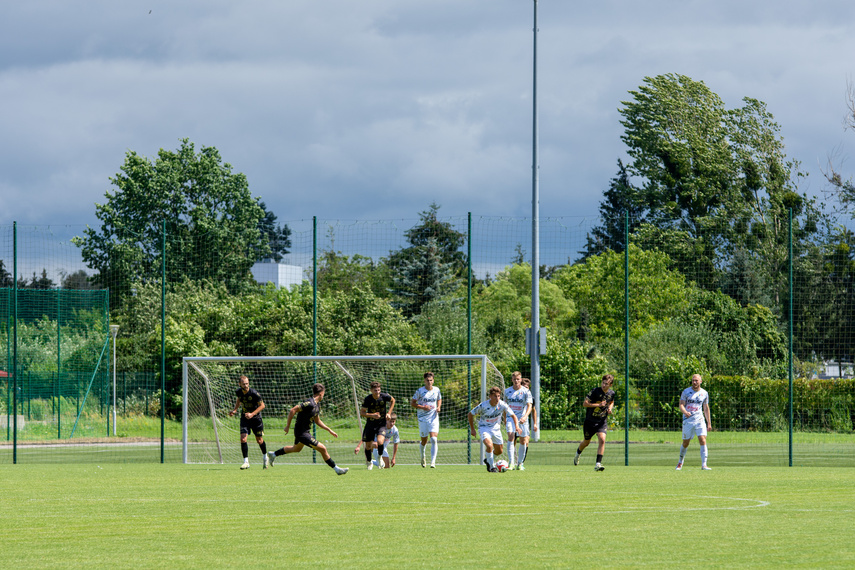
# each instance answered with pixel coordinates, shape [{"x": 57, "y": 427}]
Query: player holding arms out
[
  {"x": 374, "y": 411},
  {"x": 428, "y": 401},
  {"x": 695, "y": 406},
  {"x": 599, "y": 403},
  {"x": 308, "y": 412},
  {"x": 489, "y": 414},
  {"x": 250, "y": 419}
]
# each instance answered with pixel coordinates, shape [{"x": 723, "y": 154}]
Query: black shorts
[
  {"x": 254, "y": 425},
  {"x": 592, "y": 428},
  {"x": 306, "y": 439},
  {"x": 372, "y": 430}
]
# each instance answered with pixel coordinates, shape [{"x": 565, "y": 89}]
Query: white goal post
[{"x": 209, "y": 383}]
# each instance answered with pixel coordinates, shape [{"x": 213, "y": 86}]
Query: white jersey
[
  {"x": 392, "y": 436},
  {"x": 490, "y": 416},
  {"x": 425, "y": 397},
  {"x": 518, "y": 400},
  {"x": 694, "y": 403}
]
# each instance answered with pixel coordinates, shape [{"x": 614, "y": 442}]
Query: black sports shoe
[
  {"x": 488, "y": 466},
  {"x": 492, "y": 469}
]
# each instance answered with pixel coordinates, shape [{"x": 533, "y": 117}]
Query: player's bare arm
[
  {"x": 256, "y": 412},
  {"x": 391, "y": 407},
  {"x": 372, "y": 416},
  {"x": 707, "y": 416},
  {"x": 291, "y": 413},
  {"x": 237, "y": 405},
  {"x": 683, "y": 409},
  {"x": 322, "y": 425},
  {"x": 472, "y": 424}
]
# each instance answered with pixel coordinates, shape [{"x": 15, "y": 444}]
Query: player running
[
  {"x": 599, "y": 403},
  {"x": 520, "y": 400},
  {"x": 250, "y": 419},
  {"x": 489, "y": 413},
  {"x": 374, "y": 411},
  {"x": 695, "y": 405},
  {"x": 428, "y": 401},
  {"x": 308, "y": 412}
]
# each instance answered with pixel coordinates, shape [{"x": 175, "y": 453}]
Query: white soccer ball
[{"x": 501, "y": 465}]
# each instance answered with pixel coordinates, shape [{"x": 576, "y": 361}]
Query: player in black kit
[
  {"x": 599, "y": 403},
  {"x": 250, "y": 419},
  {"x": 375, "y": 413},
  {"x": 308, "y": 412}
]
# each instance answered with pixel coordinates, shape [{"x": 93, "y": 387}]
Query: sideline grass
[{"x": 191, "y": 516}]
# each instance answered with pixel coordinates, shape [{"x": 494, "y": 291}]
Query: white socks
[
  {"x": 703, "y": 455},
  {"x": 510, "y": 453},
  {"x": 433, "y": 449}
]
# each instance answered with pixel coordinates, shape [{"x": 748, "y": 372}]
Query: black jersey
[
  {"x": 379, "y": 405},
  {"x": 597, "y": 395},
  {"x": 306, "y": 415},
  {"x": 250, "y": 401}
]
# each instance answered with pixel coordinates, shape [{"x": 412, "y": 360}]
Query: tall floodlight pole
[
  {"x": 534, "y": 340},
  {"x": 114, "y": 331}
]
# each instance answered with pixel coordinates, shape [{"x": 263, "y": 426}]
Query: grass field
[{"x": 191, "y": 516}]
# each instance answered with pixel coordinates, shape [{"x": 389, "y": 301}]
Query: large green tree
[
  {"x": 211, "y": 222},
  {"x": 719, "y": 175}
]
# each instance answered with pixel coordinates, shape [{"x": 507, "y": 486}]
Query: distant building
[{"x": 281, "y": 275}]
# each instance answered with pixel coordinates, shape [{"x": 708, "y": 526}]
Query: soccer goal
[{"x": 210, "y": 435}]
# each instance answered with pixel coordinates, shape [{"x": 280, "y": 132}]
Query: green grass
[{"x": 168, "y": 516}]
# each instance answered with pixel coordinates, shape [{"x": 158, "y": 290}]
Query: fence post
[
  {"x": 626, "y": 335},
  {"x": 790, "y": 335}
]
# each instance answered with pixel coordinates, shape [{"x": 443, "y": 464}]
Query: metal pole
[
  {"x": 14, "y": 413},
  {"x": 790, "y": 348},
  {"x": 535, "y": 239},
  {"x": 315, "y": 315},
  {"x": 163, "y": 345},
  {"x": 626, "y": 336},
  {"x": 114, "y": 330}
]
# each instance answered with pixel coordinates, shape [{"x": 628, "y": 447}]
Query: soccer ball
[{"x": 501, "y": 465}]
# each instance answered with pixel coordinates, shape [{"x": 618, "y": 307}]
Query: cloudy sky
[{"x": 373, "y": 109}]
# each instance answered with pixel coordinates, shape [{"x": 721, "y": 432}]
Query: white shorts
[
  {"x": 426, "y": 427},
  {"x": 493, "y": 433},
  {"x": 524, "y": 428},
  {"x": 691, "y": 429}
]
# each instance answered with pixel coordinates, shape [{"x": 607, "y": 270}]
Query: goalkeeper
[{"x": 308, "y": 412}]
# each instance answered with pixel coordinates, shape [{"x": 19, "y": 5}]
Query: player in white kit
[
  {"x": 489, "y": 414},
  {"x": 520, "y": 400},
  {"x": 428, "y": 401},
  {"x": 695, "y": 406}
]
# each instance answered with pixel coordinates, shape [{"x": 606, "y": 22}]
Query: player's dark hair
[
  {"x": 496, "y": 390},
  {"x": 374, "y": 384},
  {"x": 526, "y": 382},
  {"x": 393, "y": 416},
  {"x": 608, "y": 377},
  {"x": 317, "y": 389},
  {"x": 428, "y": 374}
]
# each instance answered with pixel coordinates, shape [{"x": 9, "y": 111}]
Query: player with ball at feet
[{"x": 489, "y": 414}]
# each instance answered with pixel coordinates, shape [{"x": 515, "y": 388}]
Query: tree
[
  {"x": 619, "y": 199},
  {"x": 211, "y": 222},
  {"x": 77, "y": 280},
  {"x": 5, "y": 276},
  {"x": 422, "y": 277},
  {"x": 843, "y": 188},
  {"x": 596, "y": 286},
  {"x": 721, "y": 176},
  {"x": 278, "y": 236},
  {"x": 37, "y": 282},
  {"x": 447, "y": 240}
]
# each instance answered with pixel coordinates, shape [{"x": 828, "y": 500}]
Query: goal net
[{"x": 210, "y": 435}]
